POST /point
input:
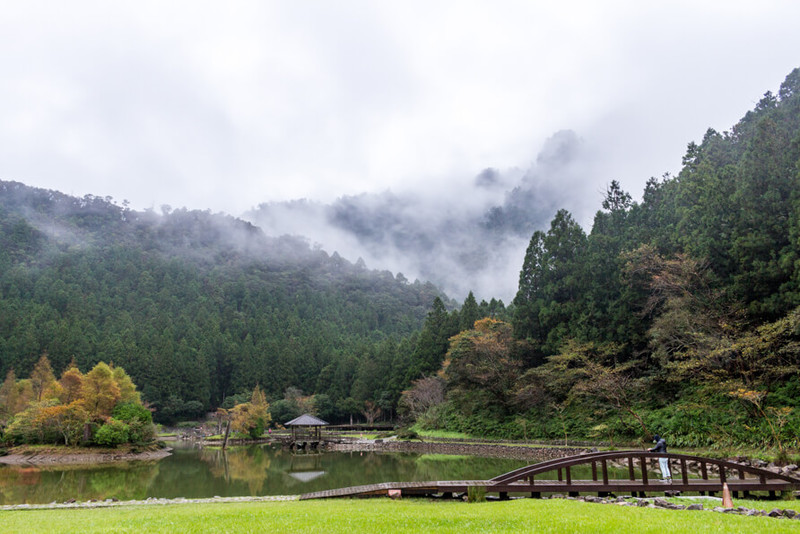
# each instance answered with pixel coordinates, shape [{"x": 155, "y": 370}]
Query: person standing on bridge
[{"x": 663, "y": 463}]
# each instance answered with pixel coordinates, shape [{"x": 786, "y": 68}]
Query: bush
[
  {"x": 112, "y": 433},
  {"x": 130, "y": 411},
  {"x": 139, "y": 421},
  {"x": 257, "y": 431}
]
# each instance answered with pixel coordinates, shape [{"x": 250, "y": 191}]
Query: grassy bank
[{"x": 383, "y": 515}]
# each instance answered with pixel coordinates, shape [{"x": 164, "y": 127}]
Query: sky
[{"x": 225, "y": 105}]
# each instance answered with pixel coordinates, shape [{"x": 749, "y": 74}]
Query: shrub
[
  {"x": 130, "y": 411},
  {"x": 139, "y": 421},
  {"x": 112, "y": 433}
]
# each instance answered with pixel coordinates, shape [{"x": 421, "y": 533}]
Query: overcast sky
[{"x": 223, "y": 105}]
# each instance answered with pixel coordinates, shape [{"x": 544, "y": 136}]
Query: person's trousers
[{"x": 663, "y": 463}]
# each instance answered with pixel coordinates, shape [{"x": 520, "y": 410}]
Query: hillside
[
  {"x": 675, "y": 315},
  {"x": 196, "y": 306}
]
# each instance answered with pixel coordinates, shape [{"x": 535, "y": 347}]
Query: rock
[
  {"x": 642, "y": 503},
  {"x": 696, "y": 506},
  {"x": 789, "y": 513},
  {"x": 775, "y": 512},
  {"x": 661, "y": 503},
  {"x": 791, "y": 467}
]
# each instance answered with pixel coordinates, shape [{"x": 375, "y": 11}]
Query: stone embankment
[
  {"x": 490, "y": 450},
  {"x": 57, "y": 458}
]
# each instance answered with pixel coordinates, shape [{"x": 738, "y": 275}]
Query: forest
[
  {"x": 201, "y": 308},
  {"x": 675, "y": 315},
  {"x": 678, "y": 314}
]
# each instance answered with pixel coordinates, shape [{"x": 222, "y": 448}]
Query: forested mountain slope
[
  {"x": 197, "y": 307},
  {"x": 677, "y": 314}
]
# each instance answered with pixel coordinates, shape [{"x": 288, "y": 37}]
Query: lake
[{"x": 197, "y": 472}]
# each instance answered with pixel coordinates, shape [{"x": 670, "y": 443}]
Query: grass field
[{"x": 384, "y": 515}]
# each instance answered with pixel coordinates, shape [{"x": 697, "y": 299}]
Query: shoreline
[
  {"x": 72, "y": 457},
  {"x": 480, "y": 450}
]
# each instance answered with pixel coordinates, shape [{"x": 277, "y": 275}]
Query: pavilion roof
[{"x": 306, "y": 420}]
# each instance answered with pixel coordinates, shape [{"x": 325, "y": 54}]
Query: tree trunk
[{"x": 227, "y": 431}]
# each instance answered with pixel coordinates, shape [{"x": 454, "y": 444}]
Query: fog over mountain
[{"x": 468, "y": 237}]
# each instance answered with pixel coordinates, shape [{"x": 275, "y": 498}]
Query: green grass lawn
[{"x": 384, "y": 515}]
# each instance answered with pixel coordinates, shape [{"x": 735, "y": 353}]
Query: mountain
[
  {"x": 677, "y": 315},
  {"x": 468, "y": 237},
  {"x": 197, "y": 306}
]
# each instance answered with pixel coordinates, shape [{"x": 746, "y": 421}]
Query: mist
[{"x": 463, "y": 234}]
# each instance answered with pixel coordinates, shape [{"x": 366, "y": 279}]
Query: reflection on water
[{"x": 195, "y": 472}]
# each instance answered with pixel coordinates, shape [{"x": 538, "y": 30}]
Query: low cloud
[{"x": 471, "y": 237}]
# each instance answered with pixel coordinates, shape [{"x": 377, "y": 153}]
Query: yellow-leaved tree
[
  {"x": 100, "y": 391},
  {"x": 251, "y": 417}
]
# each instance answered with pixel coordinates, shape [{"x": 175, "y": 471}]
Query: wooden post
[
  {"x": 684, "y": 473},
  {"x": 644, "y": 470},
  {"x": 569, "y": 477},
  {"x": 560, "y": 477},
  {"x": 605, "y": 473},
  {"x": 631, "y": 475},
  {"x": 594, "y": 471}
]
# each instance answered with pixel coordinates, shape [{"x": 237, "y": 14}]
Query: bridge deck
[
  {"x": 738, "y": 478},
  {"x": 618, "y": 487}
]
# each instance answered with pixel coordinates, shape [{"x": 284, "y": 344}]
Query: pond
[{"x": 198, "y": 472}]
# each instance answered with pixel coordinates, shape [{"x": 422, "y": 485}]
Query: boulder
[{"x": 661, "y": 503}]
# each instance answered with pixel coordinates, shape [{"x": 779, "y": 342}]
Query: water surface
[{"x": 197, "y": 472}]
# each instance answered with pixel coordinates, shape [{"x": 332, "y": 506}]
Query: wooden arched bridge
[{"x": 619, "y": 472}]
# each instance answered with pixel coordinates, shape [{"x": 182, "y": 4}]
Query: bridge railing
[{"x": 601, "y": 461}]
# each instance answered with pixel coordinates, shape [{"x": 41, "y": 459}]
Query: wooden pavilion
[{"x": 306, "y": 431}]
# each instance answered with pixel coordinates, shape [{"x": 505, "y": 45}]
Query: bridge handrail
[
  {"x": 524, "y": 470},
  {"x": 551, "y": 465}
]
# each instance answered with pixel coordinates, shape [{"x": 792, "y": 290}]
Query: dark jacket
[{"x": 661, "y": 446}]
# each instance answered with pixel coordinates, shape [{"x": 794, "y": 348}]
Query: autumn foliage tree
[
  {"x": 41, "y": 409},
  {"x": 251, "y": 417}
]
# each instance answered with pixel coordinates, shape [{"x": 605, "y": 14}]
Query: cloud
[
  {"x": 227, "y": 106},
  {"x": 469, "y": 238}
]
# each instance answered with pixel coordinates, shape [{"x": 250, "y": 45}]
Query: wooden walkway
[{"x": 641, "y": 478}]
